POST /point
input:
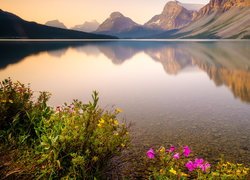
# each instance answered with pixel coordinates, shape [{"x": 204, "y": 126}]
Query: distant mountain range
[
  {"x": 217, "y": 19},
  {"x": 88, "y": 26},
  {"x": 56, "y": 23},
  {"x": 13, "y": 26}
]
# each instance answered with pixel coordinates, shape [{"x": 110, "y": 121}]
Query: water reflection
[{"x": 225, "y": 63}]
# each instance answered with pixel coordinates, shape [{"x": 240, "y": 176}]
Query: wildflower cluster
[
  {"x": 177, "y": 163},
  {"x": 79, "y": 139},
  {"x": 173, "y": 162},
  {"x": 74, "y": 141}
]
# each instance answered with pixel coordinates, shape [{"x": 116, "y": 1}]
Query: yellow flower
[
  {"x": 229, "y": 171},
  {"x": 127, "y": 133},
  {"x": 101, "y": 121},
  {"x": 3, "y": 101},
  {"x": 119, "y": 110},
  {"x": 99, "y": 125},
  {"x": 161, "y": 171},
  {"x": 116, "y": 134},
  {"x": 238, "y": 172},
  {"x": 184, "y": 175},
  {"x": 215, "y": 174},
  {"x": 224, "y": 165},
  {"x": 95, "y": 158},
  {"x": 116, "y": 123},
  {"x": 244, "y": 172},
  {"x": 173, "y": 171},
  {"x": 162, "y": 150},
  {"x": 10, "y": 101},
  {"x": 122, "y": 145}
]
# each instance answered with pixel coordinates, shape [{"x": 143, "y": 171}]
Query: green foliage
[
  {"x": 227, "y": 170},
  {"x": 74, "y": 141},
  {"x": 20, "y": 116},
  {"x": 79, "y": 139}
]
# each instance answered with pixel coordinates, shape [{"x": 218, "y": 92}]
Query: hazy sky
[{"x": 72, "y": 12}]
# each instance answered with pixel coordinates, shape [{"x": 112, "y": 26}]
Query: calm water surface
[{"x": 194, "y": 93}]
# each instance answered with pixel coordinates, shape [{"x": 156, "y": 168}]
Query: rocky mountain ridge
[
  {"x": 116, "y": 23},
  {"x": 173, "y": 16}
]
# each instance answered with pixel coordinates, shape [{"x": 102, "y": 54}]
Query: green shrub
[
  {"x": 20, "y": 116},
  {"x": 79, "y": 139},
  {"x": 74, "y": 141}
]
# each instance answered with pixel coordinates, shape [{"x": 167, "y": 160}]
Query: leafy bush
[
  {"x": 176, "y": 163},
  {"x": 74, "y": 141},
  {"x": 79, "y": 139},
  {"x": 20, "y": 116}
]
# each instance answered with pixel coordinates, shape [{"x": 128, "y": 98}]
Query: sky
[{"x": 75, "y": 12}]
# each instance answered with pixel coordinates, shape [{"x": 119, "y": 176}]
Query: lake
[{"x": 185, "y": 92}]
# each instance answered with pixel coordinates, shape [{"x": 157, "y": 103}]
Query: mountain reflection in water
[{"x": 226, "y": 63}]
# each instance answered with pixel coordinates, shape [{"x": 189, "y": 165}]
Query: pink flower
[
  {"x": 151, "y": 154},
  {"x": 186, "y": 151},
  {"x": 176, "y": 156},
  {"x": 205, "y": 167},
  {"x": 190, "y": 165},
  {"x": 198, "y": 162},
  {"x": 171, "y": 149}
]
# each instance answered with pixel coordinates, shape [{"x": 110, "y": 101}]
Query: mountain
[
  {"x": 221, "y": 5},
  {"x": 218, "y": 19},
  {"x": 123, "y": 27},
  {"x": 13, "y": 26},
  {"x": 116, "y": 23},
  {"x": 56, "y": 23},
  {"x": 88, "y": 26},
  {"x": 173, "y": 16}
]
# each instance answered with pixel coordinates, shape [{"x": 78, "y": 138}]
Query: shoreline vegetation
[{"x": 81, "y": 141}]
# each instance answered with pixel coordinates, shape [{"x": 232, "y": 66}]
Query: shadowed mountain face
[
  {"x": 13, "y": 26},
  {"x": 116, "y": 23},
  {"x": 56, "y": 23},
  {"x": 225, "y": 63},
  {"x": 174, "y": 16}
]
